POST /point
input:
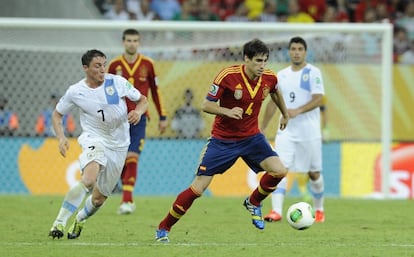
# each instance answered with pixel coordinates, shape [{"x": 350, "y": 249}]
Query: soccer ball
[{"x": 300, "y": 215}]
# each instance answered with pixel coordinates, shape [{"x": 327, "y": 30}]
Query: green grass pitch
[{"x": 213, "y": 227}]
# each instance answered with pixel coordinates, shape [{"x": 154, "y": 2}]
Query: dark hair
[
  {"x": 255, "y": 47},
  {"x": 90, "y": 54},
  {"x": 298, "y": 40},
  {"x": 129, "y": 32}
]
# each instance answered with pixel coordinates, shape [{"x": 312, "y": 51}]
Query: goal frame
[{"x": 385, "y": 29}]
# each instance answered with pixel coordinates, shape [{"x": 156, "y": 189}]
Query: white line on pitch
[{"x": 143, "y": 244}]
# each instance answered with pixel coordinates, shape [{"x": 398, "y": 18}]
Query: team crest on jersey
[
  {"x": 213, "y": 90},
  {"x": 238, "y": 92},
  {"x": 118, "y": 70},
  {"x": 143, "y": 74},
  {"x": 305, "y": 77},
  {"x": 110, "y": 90}
]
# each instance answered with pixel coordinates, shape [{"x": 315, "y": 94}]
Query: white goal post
[{"x": 32, "y": 34}]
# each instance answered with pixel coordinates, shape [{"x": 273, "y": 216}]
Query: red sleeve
[{"x": 156, "y": 92}]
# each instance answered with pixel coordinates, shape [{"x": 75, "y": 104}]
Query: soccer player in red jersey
[
  {"x": 235, "y": 97},
  {"x": 140, "y": 72}
]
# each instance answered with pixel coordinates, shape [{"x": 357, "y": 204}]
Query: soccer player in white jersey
[
  {"x": 104, "y": 120},
  {"x": 300, "y": 144}
]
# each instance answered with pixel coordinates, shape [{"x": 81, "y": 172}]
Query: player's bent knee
[
  {"x": 88, "y": 184},
  {"x": 278, "y": 173},
  {"x": 274, "y": 167},
  {"x": 314, "y": 175}
]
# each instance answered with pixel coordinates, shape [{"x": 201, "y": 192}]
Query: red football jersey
[
  {"x": 142, "y": 75},
  {"x": 233, "y": 88}
]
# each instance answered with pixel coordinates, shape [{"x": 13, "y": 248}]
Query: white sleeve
[
  {"x": 317, "y": 86},
  {"x": 126, "y": 89},
  {"x": 65, "y": 104}
]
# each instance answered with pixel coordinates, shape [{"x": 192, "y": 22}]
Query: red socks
[
  {"x": 186, "y": 198},
  {"x": 129, "y": 178},
  {"x": 182, "y": 203},
  {"x": 266, "y": 186}
]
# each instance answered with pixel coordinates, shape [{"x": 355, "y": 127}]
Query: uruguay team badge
[{"x": 110, "y": 90}]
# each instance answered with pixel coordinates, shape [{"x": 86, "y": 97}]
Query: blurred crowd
[{"x": 398, "y": 12}]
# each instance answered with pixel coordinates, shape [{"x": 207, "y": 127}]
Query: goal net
[{"x": 41, "y": 56}]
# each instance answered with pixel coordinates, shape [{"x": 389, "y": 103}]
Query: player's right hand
[{"x": 283, "y": 122}]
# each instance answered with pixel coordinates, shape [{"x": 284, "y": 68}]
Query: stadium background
[{"x": 31, "y": 165}]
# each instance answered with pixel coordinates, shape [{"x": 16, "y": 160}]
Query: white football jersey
[
  {"x": 297, "y": 88},
  {"x": 102, "y": 110}
]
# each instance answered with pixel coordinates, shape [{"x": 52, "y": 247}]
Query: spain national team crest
[
  {"x": 238, "y": 92},
  {"x": 110, "y": 90},
  {"x": 143, "y": 74}
]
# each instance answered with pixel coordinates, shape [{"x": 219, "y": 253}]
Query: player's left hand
[
  {"x": 134, "y": 117},
  {"x": 162, "y": 126}
]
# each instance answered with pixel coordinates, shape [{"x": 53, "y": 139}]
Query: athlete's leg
[
  {"x": 184, "y": 201},
  {"x": 129, "y": 175}
]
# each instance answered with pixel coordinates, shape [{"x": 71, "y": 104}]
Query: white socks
[
  {"x": 71, "y": 203},
  {"x": 317, "y": 189},
  {"x": 278, "y": 196},
  {"x": 88, "y": 210}
]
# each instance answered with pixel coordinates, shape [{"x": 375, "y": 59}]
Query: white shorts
[
  {"x": 111, "y": 163},
  {"x": 299, "y": 156}
]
